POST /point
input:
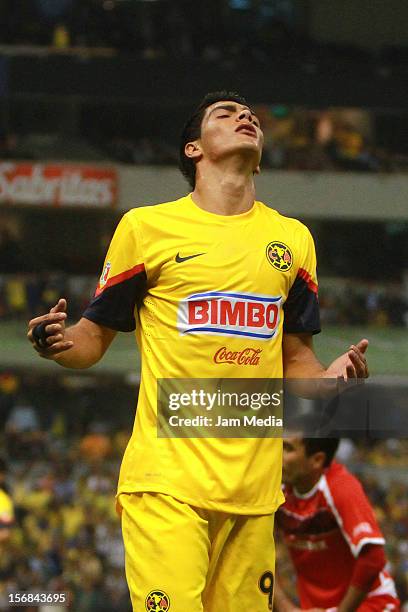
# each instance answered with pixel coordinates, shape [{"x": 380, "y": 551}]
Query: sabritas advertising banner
[{"x": 57, "y": 184}]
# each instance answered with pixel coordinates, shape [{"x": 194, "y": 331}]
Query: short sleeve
[
  {"x": 301, "y": 309},
  {"x": 122, "y": 283},
  {"x": 354, "y": 514}
]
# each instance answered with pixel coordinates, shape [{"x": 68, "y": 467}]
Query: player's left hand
[{"x": 351, "y": 364}]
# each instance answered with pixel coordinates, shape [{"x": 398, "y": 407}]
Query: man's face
[
  {"x": 297, "y": 466},
  {"x": 229, "y": 127}
]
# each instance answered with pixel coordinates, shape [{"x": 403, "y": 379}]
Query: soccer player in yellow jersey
[{"x": 217, "y": 285}]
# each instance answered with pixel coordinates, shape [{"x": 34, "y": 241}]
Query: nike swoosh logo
[{"x": 180, "y": 259}]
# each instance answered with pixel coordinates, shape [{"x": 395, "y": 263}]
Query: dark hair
[
  {"x": 328, "y": 446},
  {"x": 192, "y": 129}
]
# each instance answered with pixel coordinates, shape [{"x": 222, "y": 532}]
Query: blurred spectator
[
  {"x": 61, "y": 37},
  {"x": 348, "y": 150},
  {"x": 96, "y": 446},
  {"x": 8, "y": 145},
  {"x": 6, "y": 507},
  {"x": 15, "y": 295},
  {"x": 23, "y": 418},
  {"x": 11, "y": 259},
  {"x": 24, "y": 437}
]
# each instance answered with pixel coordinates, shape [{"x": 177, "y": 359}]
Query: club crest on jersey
[
  {"x": 157, "y": 601},
  {"x": 230, "y": 314},
  {"x": 105, "y": 273},
  {"x": 279, "y": 256}
]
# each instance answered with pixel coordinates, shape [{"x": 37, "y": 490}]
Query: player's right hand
[{"x": 54, "y": 326}]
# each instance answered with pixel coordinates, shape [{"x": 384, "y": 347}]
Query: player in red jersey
[{"x": 332, "y": 535}]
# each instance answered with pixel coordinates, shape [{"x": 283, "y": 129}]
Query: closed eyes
[{"x": 225, "y": 116}]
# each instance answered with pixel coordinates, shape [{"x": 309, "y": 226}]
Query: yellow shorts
[{"x": 180, "y": 558}]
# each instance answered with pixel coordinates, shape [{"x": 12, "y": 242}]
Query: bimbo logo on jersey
[{"x": 230, "y": 314}]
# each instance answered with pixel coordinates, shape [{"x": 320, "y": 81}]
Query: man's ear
[
  {"x": 193, "y": 150},
  {"x": 257, "y": 170},
  {"x": 319, "y": 459}
]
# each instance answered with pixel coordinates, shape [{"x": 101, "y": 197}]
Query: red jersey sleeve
[{"x": 352, "y": 509}]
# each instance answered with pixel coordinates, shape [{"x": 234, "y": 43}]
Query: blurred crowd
[
  {"x": 24, "y": 296},
  {"x": 352, "y": 302},
  {"x": 62, "y": 468},
  {"x": 294, "y": 139},
  {"x": 216, "y": 29},
  {"x": 222, "y": 31},
  {"x": 347, "y": 302},
  {"x": 332, "y": 139},
  {"x": 62, "y": 471}
]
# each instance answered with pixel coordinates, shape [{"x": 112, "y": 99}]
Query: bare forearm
[
  {"x": 281, "y": 602},
  {"x": 351, "y": 600},
  {"x": 78, "y": 346},
  {"x": 299, "y": 360},
  {"x": 369, "y": 564},
  {"x": 303, "y": 366},
  {"x": 89, "y": 345}
]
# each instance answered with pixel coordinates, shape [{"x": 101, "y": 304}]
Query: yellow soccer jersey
[{"x": 210, "y": 297}]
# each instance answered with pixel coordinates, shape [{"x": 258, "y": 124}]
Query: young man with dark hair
[
  {"x": 192, "y": 131},
  {"x": 213, "y": 271},
  {"x": 331, "y": 533}
]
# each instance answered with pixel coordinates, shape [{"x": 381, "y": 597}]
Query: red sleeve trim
[
  {"x": 369, "y": 563},
  {"x": 304, "y": 274},
  {"x": 119, "y": 278}
]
